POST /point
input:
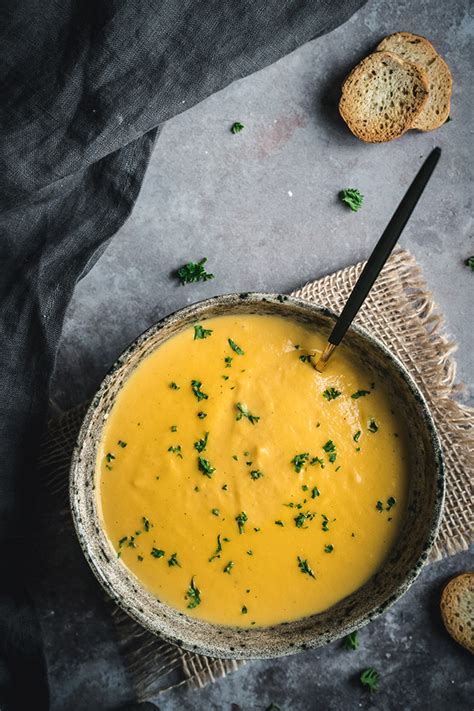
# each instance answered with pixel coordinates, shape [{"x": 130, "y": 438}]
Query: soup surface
[{"x": 243, "y": 487}]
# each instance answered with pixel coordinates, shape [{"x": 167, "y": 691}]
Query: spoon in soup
[{"x": 379, "y": 256}]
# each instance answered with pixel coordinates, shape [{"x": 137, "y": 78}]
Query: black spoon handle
[{"x": 384, "y": 248}]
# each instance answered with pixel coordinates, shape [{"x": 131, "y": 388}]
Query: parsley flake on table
[
  {"x": 201, "y": 444},
  {"x": 469, "y": 262},
  {"x": 331, "y": 393},
  {"x": 193, "y": 272},
  {"x": 193, "y": 594},
  {"x": 360, "y": 393},
  {"x": 352, "y": 197},
  {"x": 237, "y": 349},
  {"x": 243, "y": 411},
  {"x": 351, "y": 642},
  {"x": 205, "y": 467},
  {"x": 304, "y": 566},
  {"x": 237, "y": 127},
  {"x": 196, "y": 388},
  {"x": 370, "y": 678},
  {"x": 201, "y": 333}
]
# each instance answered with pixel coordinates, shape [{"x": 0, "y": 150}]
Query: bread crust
[
  {"x": 419, "y": 50},
  {"x": 366, "y": 105},
  {"x": 457, "y": 609}
]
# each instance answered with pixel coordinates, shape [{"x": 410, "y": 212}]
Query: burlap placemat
[{"x": 401, "y": 312}]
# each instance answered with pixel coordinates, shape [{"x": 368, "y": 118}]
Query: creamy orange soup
[{"x": 243, "y": 487}]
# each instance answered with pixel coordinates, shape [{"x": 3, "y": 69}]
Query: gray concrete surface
[{"x": 263, "y": 207}]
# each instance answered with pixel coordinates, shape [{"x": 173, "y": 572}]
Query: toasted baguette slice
[
  {"x": 419, "y": 50},
  {"x": 457, "y": 609},
  {"x": 382, "y": 97}
]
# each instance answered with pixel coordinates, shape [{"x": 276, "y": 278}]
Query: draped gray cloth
[{"x": 84, "y": 87}]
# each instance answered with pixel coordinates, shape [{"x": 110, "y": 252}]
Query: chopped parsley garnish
[
  {"x": 217, "y": 551},
  {"x": 176, "y": 450},
  {"x": 205, "y": 467},
  {"x": 229, "y": 566},
  {"x": 325, "y": 524},
  {"x": 301, "y": 519},
  {"x": 379, "y": 506},
  {"x": 329, "y": 548},
  {"x": 157, "y": 553},
  {"x": 236, "y": 127},
  {"x": 314, "y": 492},
  {"x": 224, "y": 487},
  {"x": 448, "y": 119},
  {"x": 228, "y": 361},
  {"x": 357, "y": 435},
  {"x": 140, "y": 558},
  {"x": 202, "y": 415},
  {"x": 201, "y": 444},
  {"x": 196, "y": 388},
  {"x": 241, "y": 519},
  {"x": 243, "y": 411},
  {"x": 304, "y": 566},
  {"x": 299, "y": 461},
  {"x": 351, "y": 642},
  {"x": 215, "y": 512},
  {"x": 244, "y": 610},
  {"x": 370, "y": 679},
  {"x": 304, "y": 487},
  {"x": 235, "y": 347},
  {"x": 109, "y": 457},
  {"x": 173, "y": 428},
  {"x": 256, "y": 474},
  {"x": 121, "y": 443},
  {"x": 372, "y": 426},
  {"x": 193, "y": 594},
  {"x": 147, "y": 524},
  {"x": 469, "y": 262},
  {"x": 173, "y": 561},
  {"x": 317, "y": 460},
  {"x": 201, "y": 333},
  {"x": 331, "y": 393},
  {"x": 391, "y": 501},
  {"x": 352, "y": 197},
  {"x": 305, "y": 358},
  {"x": 279, "y": 523},
  {"x": 173, "y": 386},
  {"x": 122, "y": 540},
  {"x": 249, "y": 552},
  {"x": 360, "y": 393},
  {"x": 193, "y": 272},
  {"x": 330, "y": 449}
]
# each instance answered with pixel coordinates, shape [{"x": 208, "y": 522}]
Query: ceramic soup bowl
[{"x": 400, "y": 569}]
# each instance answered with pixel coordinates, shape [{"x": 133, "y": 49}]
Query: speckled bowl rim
[{"x": 320, "y": 639}]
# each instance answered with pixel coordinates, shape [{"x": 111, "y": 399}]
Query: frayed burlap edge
[{"x": 400, "y": 311}]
